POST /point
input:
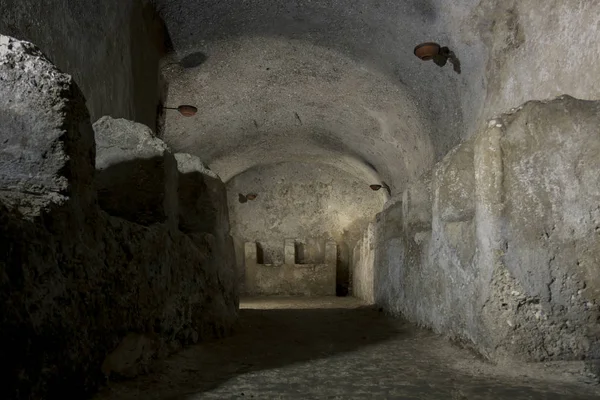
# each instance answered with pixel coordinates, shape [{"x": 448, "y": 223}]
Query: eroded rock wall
[
  {"x": 508, "y": 257},
  {"x": 85, "y": 295},
  {"x": 111, "y": 48},
  {"x": 204, "y": 217},
  {"x": 513, "y": 51}
]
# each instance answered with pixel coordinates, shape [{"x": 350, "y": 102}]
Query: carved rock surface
[
  {"x": 511, "y": 263},
  {"x": 83, "y": 294},
  {"x": 45, "y": 142}
]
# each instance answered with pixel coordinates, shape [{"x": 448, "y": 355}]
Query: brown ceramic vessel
[
  {"x": 187, "y": 111},
  {"x": 426, "y": 51}
]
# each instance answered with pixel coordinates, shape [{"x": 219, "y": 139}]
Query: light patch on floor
[{"x": 299, "y": 303}]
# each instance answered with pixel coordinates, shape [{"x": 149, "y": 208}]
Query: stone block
[
  {"x": 137, "y": 175},
  {"x": 47, "y": 145}
]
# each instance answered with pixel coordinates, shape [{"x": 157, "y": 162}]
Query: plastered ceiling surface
[{"x": 332, "y": 82}]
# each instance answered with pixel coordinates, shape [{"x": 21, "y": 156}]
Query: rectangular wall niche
[
  {"x": 310, "y": 251},
  {"x": 295, "y": 276}
]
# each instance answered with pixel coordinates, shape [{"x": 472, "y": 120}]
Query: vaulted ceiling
[{"x": 326, "y": 81}]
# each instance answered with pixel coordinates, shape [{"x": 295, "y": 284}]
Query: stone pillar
[
  {"x": 331, "y": 253},
  {"x": 488, "y": 194},
  {"x": 250, "y": 260},
  {"x": 250, "y": 253},
  {"x": 289, "y": 252}
]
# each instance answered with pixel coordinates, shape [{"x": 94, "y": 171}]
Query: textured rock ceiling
[{"x": 330, "y": 81}]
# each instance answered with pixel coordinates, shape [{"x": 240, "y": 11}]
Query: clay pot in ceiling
[
  {"x": 187, "y": 111},
  {"x": 426, "y": 51}
]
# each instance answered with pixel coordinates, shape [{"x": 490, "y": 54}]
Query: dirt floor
[{"x": 336, "y": 348}]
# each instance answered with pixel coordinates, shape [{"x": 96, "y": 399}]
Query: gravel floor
[{"x": 336, "y": 348}]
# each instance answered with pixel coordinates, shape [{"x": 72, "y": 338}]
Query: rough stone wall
[
  {"x": 554, "y": 149},
  {"x": 306, "y": 202},
  {"x": 111, "y": 48},
  {"x": 508, "y": 258},
  {"x": 85, "y": 295},
  {"x": 514, "y": 51}
]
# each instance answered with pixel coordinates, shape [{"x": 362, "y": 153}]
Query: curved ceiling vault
[{"x": 329, "y": 81}]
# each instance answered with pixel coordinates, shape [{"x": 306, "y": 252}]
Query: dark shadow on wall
[
  {"x": 110, "y": 47},
  {"x": 149, "y": 42},
  {"x": 134, "y": 190},
  {"x": 260, "y": 254},
  {"x": 299, "y": 254},
  {"x": 446, "y": 55},
  {"x": 196, "y": 210}
]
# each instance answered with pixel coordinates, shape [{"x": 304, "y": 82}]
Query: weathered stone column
[
  {"x": 488, "y": 198},
  {"x": 289, "y": 252},
  {"x": 250, "y": 261},
  {"x": 331, "y": 253}
]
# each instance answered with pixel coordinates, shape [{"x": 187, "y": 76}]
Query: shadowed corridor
[
  {"x": 336, "y": 348},
  {"x": 186, "y": 186}
]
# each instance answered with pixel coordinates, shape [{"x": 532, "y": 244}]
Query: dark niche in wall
[
  {"x": 260, "y": 254},
  {"x": 266, "y": 255},
  {"x": 299, "y": 252},
  {"x": 310, "y": 251},
  {"x": 269, "y": 253}
]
